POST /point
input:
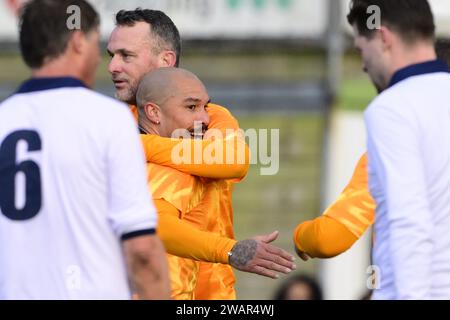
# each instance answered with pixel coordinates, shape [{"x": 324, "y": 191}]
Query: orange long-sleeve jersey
[
  {"x": 343, "y": 223},
  {"x": 215, "y": 281},
  {"x": 182, "y": 197}
]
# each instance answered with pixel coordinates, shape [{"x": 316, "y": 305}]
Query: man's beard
[{"x": 127, "y": 95}]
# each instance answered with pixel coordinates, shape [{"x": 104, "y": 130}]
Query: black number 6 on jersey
[{"x": 9, "y": 168}]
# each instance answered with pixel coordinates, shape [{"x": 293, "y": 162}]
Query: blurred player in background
[
  {"x": 74, "y": 207},
  {"x": 170, "y": 99},
  {"x": 299, "y": 287},
  {"x": 145, "y": 40}
]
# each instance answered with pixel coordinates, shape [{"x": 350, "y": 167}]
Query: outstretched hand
[{"x": 257, "y": 255}]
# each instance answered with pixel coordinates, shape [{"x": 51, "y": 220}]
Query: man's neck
[
  {"x": 148, "y": 128},
  {"x": 59, "y": 67},
  {"x": 411, "y": 55}
]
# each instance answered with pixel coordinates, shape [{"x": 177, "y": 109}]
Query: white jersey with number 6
[{"x": 72, "y": 185}]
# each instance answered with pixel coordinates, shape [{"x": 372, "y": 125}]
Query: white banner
[
  {"x": 227, "y": 19},
  {"x": 206, "y": 19}
]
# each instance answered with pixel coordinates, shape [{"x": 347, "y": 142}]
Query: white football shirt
[
  {"x": 409, "y": 177},
  {"x": 72, "y": 185}
]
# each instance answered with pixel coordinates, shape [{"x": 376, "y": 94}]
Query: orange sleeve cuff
[{"x": 323, "y": 237}]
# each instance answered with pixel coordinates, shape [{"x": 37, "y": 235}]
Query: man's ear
[
  {"x": 77, "y": 41},
  {"x": 153, "y": 112},
  {"x": 386, "y": 37},
  {"x": 168, "y": 58}
]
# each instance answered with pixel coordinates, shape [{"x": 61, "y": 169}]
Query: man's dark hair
[
  {"x": 311, "y": 283},
  {"x": 411, "y": 19},
  {"x": 162, "y": 27},
  {"x": 44, "y": 29}
]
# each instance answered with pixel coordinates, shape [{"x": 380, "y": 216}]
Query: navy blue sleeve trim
[{"x": 139, "y": 233}]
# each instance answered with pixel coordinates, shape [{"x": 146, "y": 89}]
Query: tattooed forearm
[{"x": 243, "y": 252}]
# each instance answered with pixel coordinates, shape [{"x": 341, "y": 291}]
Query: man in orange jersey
[
  {"x": 172, "y": 100},
  {"x": 143, "y": 41}
]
